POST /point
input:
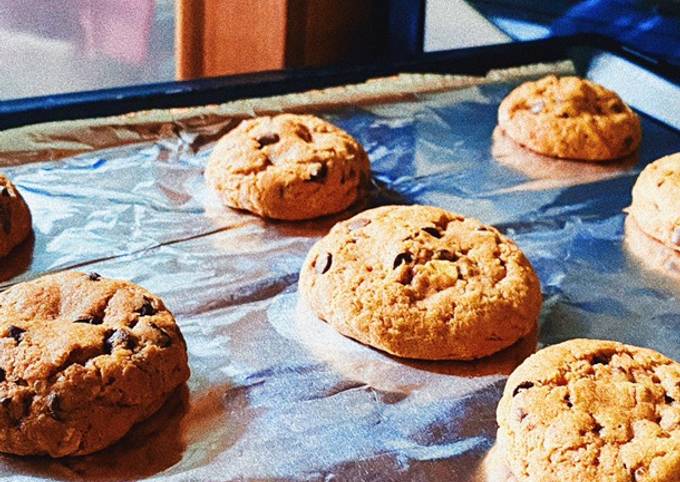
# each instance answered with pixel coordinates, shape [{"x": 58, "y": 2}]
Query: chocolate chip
[
  {"x": 16, "y": 333},
  {"x": 482, "y": 228},
  {"x": 445, "y": 254},
  {"x": 432, "y": 232},
  {"x": 54, "y": 406},
  {"x": 668, "y": 399},
  {"x": 119, "y": 339},
  {"x": 4, "y": 192},
  {"x": 2, "y": 375},
  {"x": 567, "y": 398},
  {"x": 521, "y": 387},
  {"x": 402, "y": 258},
  {"x": 324, "y": 264},
  {"x": 602, "y": 359},
  {"x": 94, "y": 276},
  {"x": 617, "y": 108},
  {"x": 358, "y": 223},
  {"x": 268, "y": 139},
  {"x": 165, "y": 339},
  {"x": 147, "y": 308},
  {"x": 320, "y": 174},
  {"x": 90, "y": 320},
  {"x": 304, "y": 134}
]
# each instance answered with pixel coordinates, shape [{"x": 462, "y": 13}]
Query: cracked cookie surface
[
  {"x": 571, "y": 118},
  {"x": 288, "y": 167},
  {"x": 15, "y": 217},
  {"x": 82, "y": 359},
  {"x": 421, "y": 282},
  {"x": 592, "y": 410},
  {"x": 656, "y": 201}
]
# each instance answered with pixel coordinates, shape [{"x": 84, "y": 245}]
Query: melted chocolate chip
[
  {"x": 90, "y": 320},
  {"x": 16, "y": 333},
  {"x": 445, "y": 254},
  {"x": 521, "y": 387},
  {"x": 617, "y": 108},
  {"x": 268, "y": 139},
  {"x": 119, "y": 339},
  {"x": 432, "y": 232},
  {"x": 165, "y": 340},
  {"x": 320, "y": 174},
  {"x": 54, "y": 406},
  {"x": 304, "y": 134},
  {"x": 324, "y": 263},
  {"x": 668, "y": 399},
  {"x": 94, "y": 276},
  {"x": 601, "y": 359},
  {"x": 358, "y": 223},
  {"x": 147, "y": 308},
  {"x": 402, "y": 258},
  {"x": 2, "y": 375}
]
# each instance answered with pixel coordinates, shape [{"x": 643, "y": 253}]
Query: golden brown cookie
[
  {"x": 592, "y": 411},
  {"x": 288, "y": 167},
  {"x": 421, "y": 282},
  {"x": 656, "y": 200},
  {"x": 82, "y": 359},
  {"x": 570, "y": 118},
  {"x": 15, "y": 218}
]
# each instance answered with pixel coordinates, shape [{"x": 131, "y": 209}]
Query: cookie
[
  {"x": 82, "y": 359},
  {"x": 15, "y": 217},
  {"x": 592, "y": 411},
  {"x": 656, "y": 201},
  {"x": 570, "y": 118},
  {"x": 288, "y": 167},
  {"x": 421, "y": 282}
]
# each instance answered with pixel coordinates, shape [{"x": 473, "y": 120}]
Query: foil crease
[{"x": 275, "y": 394}]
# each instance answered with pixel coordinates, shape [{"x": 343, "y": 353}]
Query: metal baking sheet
[{"x": 275, "y": 394}]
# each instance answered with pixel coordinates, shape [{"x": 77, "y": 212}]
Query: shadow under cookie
[
  {"x": 549, "y": 172},
  {"x": 658, "y": 260},
  {"x": 382, "y": 371},
  {"x": 18, "y": 260},
  {"x": 494, "y": 468}
]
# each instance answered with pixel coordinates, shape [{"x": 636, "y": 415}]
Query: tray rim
[{"x": 211, "y": 90}]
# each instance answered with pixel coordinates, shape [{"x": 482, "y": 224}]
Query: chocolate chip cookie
[
  {"x": 570, "y": 118},
  {"x": 421, "y": 282},
  {"x": 15, "y": 217},
  {"x": 82, "y": 359},
  {"x": 656, "y": 201},
  {"x": 288, "y": 167},
  {"x": 592, "y": 411}
]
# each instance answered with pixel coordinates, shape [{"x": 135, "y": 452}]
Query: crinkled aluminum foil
[{"x": 274, "y": 392}]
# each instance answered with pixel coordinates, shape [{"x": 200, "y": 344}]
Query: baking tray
[{"x": 275, "y": 394}]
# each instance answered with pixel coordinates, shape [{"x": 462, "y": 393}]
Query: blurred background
[{"x": 61, "y": 46}]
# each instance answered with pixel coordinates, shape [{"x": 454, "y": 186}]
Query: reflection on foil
[
  {"x": 551, "y": 173},
  {"x": 277, "y": 394}
]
